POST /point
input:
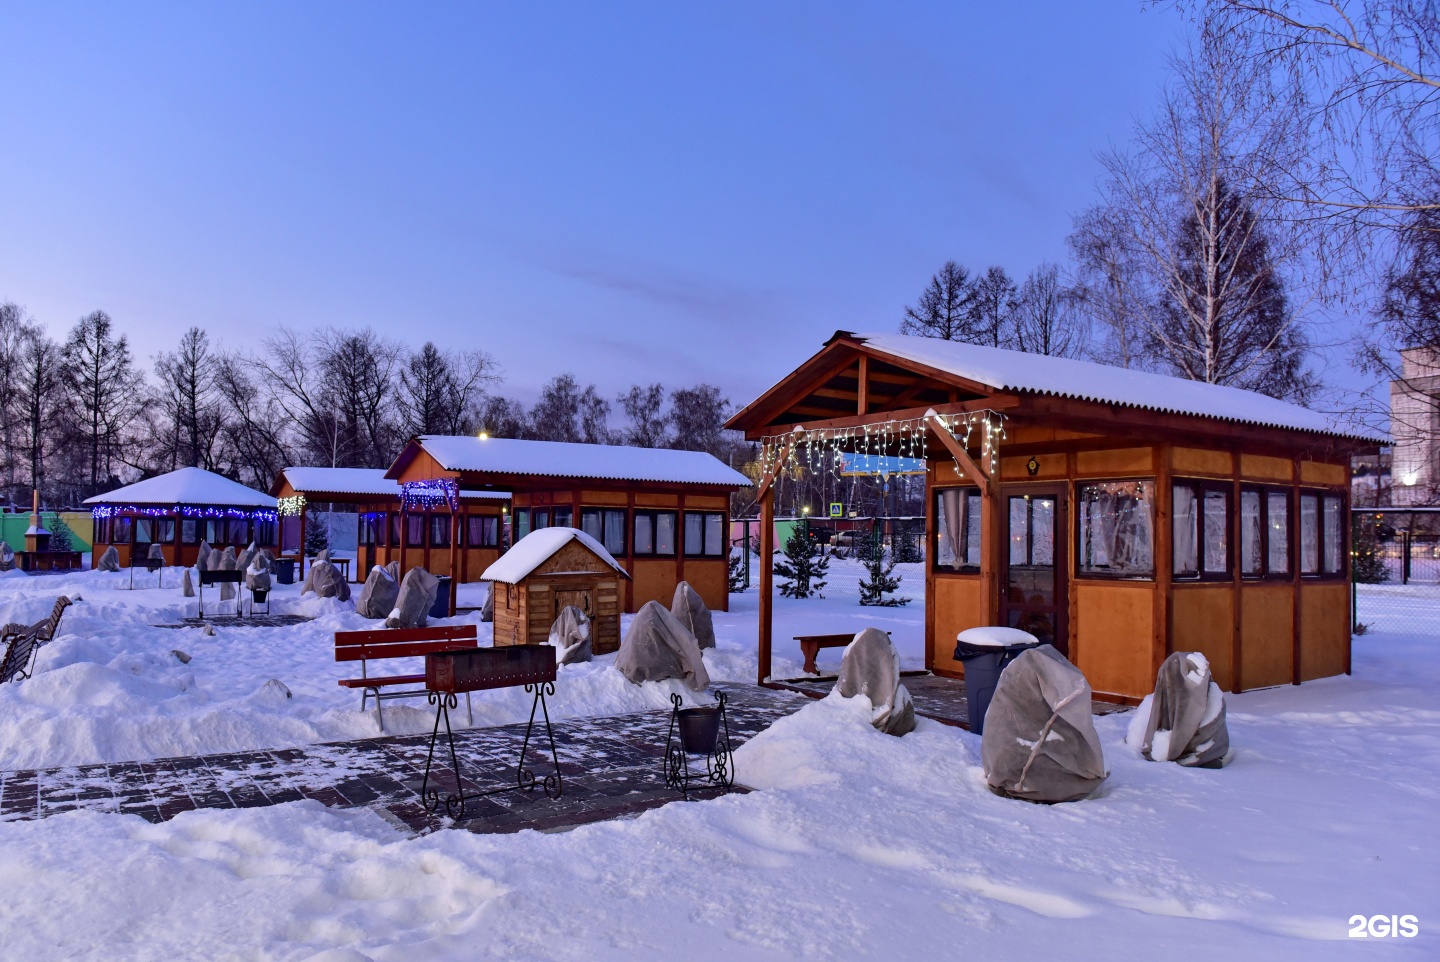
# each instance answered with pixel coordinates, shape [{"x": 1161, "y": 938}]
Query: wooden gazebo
[
  {"x": 663, "y": 514},
  {"x": 178, "y": 511},
  {"x": 1117, "y": 514},
  {"x": 462, "y": 544}
]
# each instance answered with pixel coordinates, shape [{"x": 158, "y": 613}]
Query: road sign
[{"x": 837, "y": 510}]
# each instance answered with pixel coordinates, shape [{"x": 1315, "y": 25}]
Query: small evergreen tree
[
  {"x": 1367, "y": 565},
  {"x": 317, "y": 534},
  {"x": 737, "y": 572},
  {"x": 905, "y": 545},
  {"x": 60, "y": 536},
  {"x": 883, "y": 583},
  {"x": 804, "y": 565}
]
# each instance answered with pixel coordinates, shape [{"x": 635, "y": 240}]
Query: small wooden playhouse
[{"x": 547, "y": 570}]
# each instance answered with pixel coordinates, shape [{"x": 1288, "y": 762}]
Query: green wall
[{"x": 13, "y": 526}]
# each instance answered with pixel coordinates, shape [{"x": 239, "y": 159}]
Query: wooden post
[
  {"x": 454, "y": 556},
  {"x": 1295, "y": 564},
  {"x": 300, "y": 575},
  {"x": 1237, "y": 647},
  {"x": 404, "y": 535},
  {"x": 862, "y": 400},
  {"x": 767, "y": 581},
  {"x": 1164, "y": 557}
]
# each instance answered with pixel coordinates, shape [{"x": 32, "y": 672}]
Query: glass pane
[
  {"x": 694, "y": 532},
  {"x": 1250, "y": 554},
  {"x": 563, "y": 517},
  {"x": 395, "y": 530},
  {"x": 522, "y": 524},
  {"x": 121, "y": 530},
  {"x": 1116, "y": 531},
  {"x": 190, "y": 531},
  {"x": 1217, "y": 532},
  {"x": 490, "y": 532},
  {"x": 239, "y": 532},
  {"x": 165, "y": 530},
  {"x": 665, "y": 532},
  {"x": 1041, "y": 624},
  {"x": 215, "y": 532},
  {"x": 590, "y": 522},
  {"x": 540, "y": 518},
  {"x": 972, "y": 529},
  {"x": 440, "y": 530},
  {"x": 644, "y": 534},
  {"x": 1309, "y": 534},
  {"x": 1334, "y": 539},
  {"x": 1277, "y": 555},
  {"x": 144, "y": 530},
  {"x": 1186, "y": 532},
  {"x": 1042, "y": 531},
  {"x": 415, "y": 530},
  {"x": 1019, "y": 531},
  {"x": 714, "y": 537},
  {"x": 614, "y": 540},
  {"x": 947, "y": 523}
]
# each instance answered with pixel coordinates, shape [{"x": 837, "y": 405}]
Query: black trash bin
[
  {"x": 441, "y": 607},
  {"x": 284, "y": 569},
  {"x": 984, "y": 659}
]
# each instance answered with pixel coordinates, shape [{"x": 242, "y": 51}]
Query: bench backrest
[
  {"x": 222, "y": 577},
  {"x": 402, "y": 642},
  {"x": 16, "y": 661},
  {"x": 46, "y": 629}
]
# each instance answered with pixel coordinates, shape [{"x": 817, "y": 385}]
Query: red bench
[
  {"x": 810, "y": 646},
  {"x": 383, "y": 643}
]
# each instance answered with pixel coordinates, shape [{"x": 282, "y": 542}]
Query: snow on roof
[
  {"x": 1085, "y": 380},
  {"x": 531, "y": 551},
  {"x": 371, "y": 481},
  {"x": 187, "y": 486},
  {"x": 569, "y": 460}
]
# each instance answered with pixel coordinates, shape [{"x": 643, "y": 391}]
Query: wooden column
[
  {"x": 454, "y": 558},
  {"x": 404, "y": 535},
  {"x": 862, "y": 400},
  {"x": 1237, "y": 653},
  {"x": 630, "y": 550},
  {"x": 1164, "y": 557},
  {"x": 1294, "y": 535},
  {"x": 767, "y": 580},
  {"x": 679, "y": 539},
  {"x": 300, "y": 575}
]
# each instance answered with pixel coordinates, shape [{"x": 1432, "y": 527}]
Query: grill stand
[
  {"x": 525, "y": 779},
  {"x": 719, "y": 761}
]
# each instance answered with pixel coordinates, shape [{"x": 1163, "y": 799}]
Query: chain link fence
[{"x": 1396, "y": 565}]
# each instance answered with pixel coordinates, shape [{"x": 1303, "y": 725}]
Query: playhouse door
[
  {"x": 580, "y": 599},
  {"x": 1032, "y": 579}
]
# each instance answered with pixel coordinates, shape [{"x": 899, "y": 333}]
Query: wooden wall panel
[
  {"x": 1266, "y": 635},
  {"x": 645, "y": 499},
  {"x": 1197, "y": 461},
  {"x": 603, "y": 497},
  {"x": 697, "y": 502},
  {"x": 1324, "y": 629},
  {"x": 1315, "y": 472},
  {"x": 1015, "y": 469},
  {"x": 1113, "y": 626},
  {"x": 710, "y": 579},
  {"x": 958, "y": 605},
  {"x": 1263, "y": 468},
  {"x": 654, "y": 581},
  {"x": 1119, "y": 463},
  {"x": 1203, "y": 620}
]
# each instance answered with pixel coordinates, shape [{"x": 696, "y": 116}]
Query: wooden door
[
  {"x": 581, "y": 598},
  {"x": 1033, "y": 586}
]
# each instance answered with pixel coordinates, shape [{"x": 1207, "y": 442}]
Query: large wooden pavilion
[
  {"x": 1119, "y": 515},
  {"x": 663, "y": 514},
  {"x": 462, "y": 543},
  {"x": 178, "y": 511}
]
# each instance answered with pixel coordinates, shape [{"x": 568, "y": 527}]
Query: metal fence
[{"x": 1396, "y": 564}]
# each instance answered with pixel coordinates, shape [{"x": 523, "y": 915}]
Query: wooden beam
[
  {"x": 961, "y": 456},
  {"x": 769, "y": 477},
  {"x": 862, "y": 400},
  {"x": 880, "y": 417}
]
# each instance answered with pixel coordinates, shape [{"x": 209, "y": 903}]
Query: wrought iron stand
[
  {"x": 698, "y": 731},
  {"x": 525, "y": 779}
]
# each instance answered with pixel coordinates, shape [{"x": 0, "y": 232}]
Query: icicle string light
[
  {"x": 430, "y": 494},
  {"x": 823, "y": 449},
  {"x": 183, "y": 510},
  {"x": 290, "y": 507}
]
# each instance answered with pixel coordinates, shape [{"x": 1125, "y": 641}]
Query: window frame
[
  {"x": 1078, "y": 531},
  {"x": 653, "y": 515},
  {"x": 1201, "y": 487},
  {"x": 192, "y": 525},
  {"x": 1321, "y": 495},
  {"x": 415, "y": 529},
  {"x": 704, "y": 551},
  {"x": 602, "y": 511},
  {"x": 1292, "y": 532},
  {"x": 493, "y": 527},
  {"x": 125, "y": 521},
  {"x": 437, "y": 529},
  {"x": 968, "y": 491}
]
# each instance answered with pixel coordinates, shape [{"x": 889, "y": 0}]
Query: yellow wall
[
  {"x": 958, "y": 605},
  {"x": 1112, "y": 636}
]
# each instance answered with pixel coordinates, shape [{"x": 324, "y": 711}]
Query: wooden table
[{"x": 810, "y": 646}]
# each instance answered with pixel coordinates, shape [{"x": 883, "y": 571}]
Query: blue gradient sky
[{"x": 679, "y": 192}]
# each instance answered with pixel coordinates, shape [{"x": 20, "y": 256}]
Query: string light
[
  {"x": 824, "y": 448},
  {"x": 430, "y": 494},
  {"x": 183, "y": 510},
  {"x": 290, "y": 507}
]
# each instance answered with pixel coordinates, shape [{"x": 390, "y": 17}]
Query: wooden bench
[
  {"x": 21, "y": 641},
  {"x": 383, "y": 643},
  {"x": 810, "y": 646}
]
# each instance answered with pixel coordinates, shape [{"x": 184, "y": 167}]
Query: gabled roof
[
  {"x": 1005, "y": 372},
  {"x": 357, "y": 481},
  {"x": 531, "y": 551},
  {"x": 187, "y": 486},
  {"x": 563, "y": 459}
]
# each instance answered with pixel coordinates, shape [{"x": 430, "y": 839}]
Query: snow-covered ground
[{"x": 856, "y": 846}]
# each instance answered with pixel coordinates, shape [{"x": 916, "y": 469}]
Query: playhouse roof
[
  {"x": 357, "y": 481},
  {"x": 187, "y": 486},
  {"x": 531, "y": 551},
  {"x": 571, "y": 460}
]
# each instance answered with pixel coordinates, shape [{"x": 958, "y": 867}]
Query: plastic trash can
[
  {"x": 985, "y": 652},
  {"x": 441, "y": 607},
  {"x": 284, "y": 569}
]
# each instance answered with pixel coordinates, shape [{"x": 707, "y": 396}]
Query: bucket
[{"x": 699, "y": 729}]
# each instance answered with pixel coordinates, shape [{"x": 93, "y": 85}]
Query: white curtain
[
  {"x": 1309, "y": 534},
  {"x": 951, "y": 521},
  {"x": 1277, "y": 509},
  {"x": 1187, "y": 562},
  {"x": 1250, "y": 558},
  {"x": 1334, "y": 540},
  {"x": 1216, "y": 522},
  {"x": 1117, "y": 528}
]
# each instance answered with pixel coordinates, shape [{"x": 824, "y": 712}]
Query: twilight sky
[{"x": 672, "y": 192}]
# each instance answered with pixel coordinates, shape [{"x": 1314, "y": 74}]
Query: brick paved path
[{"x": 611, "y": 768}]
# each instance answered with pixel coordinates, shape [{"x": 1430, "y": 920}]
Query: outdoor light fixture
[
  {"x": 1033, "y": 466},
  {"x": 484, "y": 435},
  {"x": 1409, "y": 478},
  {"x": 290, "y": 507}
]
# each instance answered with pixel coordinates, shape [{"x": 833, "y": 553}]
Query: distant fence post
[{"x": 1404, "y": 557}]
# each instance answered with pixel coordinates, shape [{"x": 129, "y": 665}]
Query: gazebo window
[
  {"x": 215, "y": 531},
  {"x": 1201, "y": 525},
  {"x": 100, "y": 531},
  {"x": 1117, "y": 531},
  {"x": 239, "y": 530},
  {"x": 164, "y": 530},
  {"x": 144, "y": 530},
  {"x": 368, "y": 532},
  {"x": 704, "y": 533},
  {"x": 1321, "y": 534},
  {"x": 439, "y": 531},
  {"x": 264, "y": 532},
  {"x": 957, "y": 529},
  {"x": 482, "y": 531},
  {"x": 190, "y": 531},
  {"x": 394, "y": 529},
  {"x": 1264, "y": 533},
  {"x": 605, "y": 525},
  {"x": 414, "y": 530},
  {"x": 121, "y": 530},
  {"x": 655, "y": 533}
]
